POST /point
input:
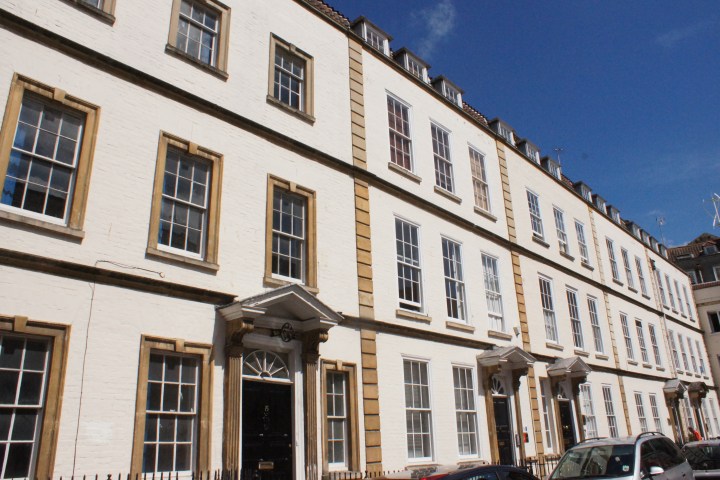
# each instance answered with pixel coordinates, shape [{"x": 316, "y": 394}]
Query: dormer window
[
  {"x": 375, "y": 40},
  {"x": 634, "y": 229},
  {"x": 504, "y": 130},
  {"x": 372, "y": 35},
  {"x": 448, "y": 90},
  {"x": 614, "y": 213},
  {"x": 653, "y": 244},
  {"x": 599, "y": 202},
  {"x": 710, "y": 250},
  {"x": 552, "y": 166},
  {"x": 530, "y": 150},
  {"x": 645, "y": 237},
  {"x": 583, "y": 190},
  {"x": 412, "y": 63},
  {"x": 506, "y": 133}
]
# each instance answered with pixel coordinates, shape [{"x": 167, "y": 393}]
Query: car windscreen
[
  {"x": 703, "y": 457},
  {"x": 602, "y": 461}
]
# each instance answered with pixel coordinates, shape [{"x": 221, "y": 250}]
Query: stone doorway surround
[
  {"x": 674, "y": 390},
  {"x": 301, "y": 321},
  {"x": 572, "y": 370},
  {"x": 510, "y": 362}
]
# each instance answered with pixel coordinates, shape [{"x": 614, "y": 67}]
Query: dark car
[
  {"x": 704, "y": 458},
  {"x": 465, "y": 472}
]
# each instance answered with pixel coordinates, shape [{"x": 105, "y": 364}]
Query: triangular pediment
[
  {"x": 287, "y": 303},
  {"x": 512, "y": 356},
  {"x": 570, "y": 367}
]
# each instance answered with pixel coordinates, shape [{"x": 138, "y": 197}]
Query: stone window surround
[
  {"x": 353, "y": 447},
  {"x": 204, "y": 354},
  {"x": 210, "y": 258}
]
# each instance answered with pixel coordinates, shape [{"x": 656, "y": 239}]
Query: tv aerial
[{"x": 715, "y": 210}]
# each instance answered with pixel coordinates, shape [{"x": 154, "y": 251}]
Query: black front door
[
  {"x": 266, "y": 431},
  {"x": 566, "y": 423},
  {"x": 503, "y": 430}
]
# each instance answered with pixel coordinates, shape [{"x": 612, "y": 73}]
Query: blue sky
[{"x": 629, "y": 89}]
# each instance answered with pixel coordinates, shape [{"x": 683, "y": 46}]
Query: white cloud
[
  {"x": 673, "y": 37},
  {"x": 438, "y": 22}
]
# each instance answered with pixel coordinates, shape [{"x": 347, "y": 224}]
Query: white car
[{"x": 647, "y": 455}]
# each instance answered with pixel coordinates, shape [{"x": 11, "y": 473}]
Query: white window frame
[
  {"x": 411, "y": 263},
  {"x": 613, "y": 262},
  {"x": 337, "y": 418},
  {"x": 595, "y": 324},
  {"x": 591, "y": 430},
  {"x": 481, "y": 188},
  {"x": 563, "y": 244},
  {"x": 297, "y": 238},
  {"x": 658, "y": 275},
  {"x": 674, "y": 350},
  {"x": 546, "y": 299},
  {"x": 535, "y": 215},
  {"x": 641, "y": 341},
  {"x": 547, "y": 411},
  {"x": 680, "y": 303},
  {"x": 465, "y": 409},
  {"x": 628, "y": 268},
  {"x": 193, "y": 413},
  {"x": 687, "y": 304},
  {"x": 691, "y": 349},
  {"x": 404, "y": 137},
  {"x": 654, "y": 344},
  {"x": 701, "y": 358},
  {"x": 610, "y": 410},
  {"x": 641, "y": 276},
  {"x": 17, "y": 408},
  {"x": 683, "y": 353},
  {"x": 582, "y": 243},
  {"x": 424, "y": 410},
  {"x": 455, "y": 299},
  {"x": 640, "y": 406},
  {"x": 574, "y": 313},
  {"x": 670, "y": 292},
  {"x": 654, "y": 410},
  {"x": 628, "y": 339},
  {"x": 493, "y": 292},
  {"x": 444, "y": 177}
]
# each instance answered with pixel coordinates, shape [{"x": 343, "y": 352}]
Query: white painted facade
[{"x": 109, "y": 292}]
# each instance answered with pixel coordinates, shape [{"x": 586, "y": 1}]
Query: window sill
[
  {"x": 618, "y": 282},
  {"x": 485, "y": 214},
  {"x": 293, "y": 111},
  {"x": 404, "y": 172},
  {"x": 155, "y": 252},
  {"x": 581, "y": 353},
  {"x": 554, "y": 346},
  {"x": 101, "y": 14},
  {"x": 464, "y": 327},
  {"x": 698, "y": 375},
  {"x": 567, "y": 255},
  {"x": 448, "y": 194},
  {"x": 660, "y": 369},
  {"x": 646, "y": 365},
  {"x": 42, "y": 225},
  {"x": 499, "y": 335},
  {"x": 646, "y": 296},
  {"x": 601, "y": 356},
  {"x": 540, "y": 241},
  {"x": 408, "y": 315},
  {"x": 632, "y": 362},
  {"x": 273, "y": 282},
  {"x": 587, "y": 265},
  {"x": 172, "y": 50},
  {"x": 632, "y": 289}
]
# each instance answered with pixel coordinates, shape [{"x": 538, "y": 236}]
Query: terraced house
[{"x": 253, "y": 235}]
